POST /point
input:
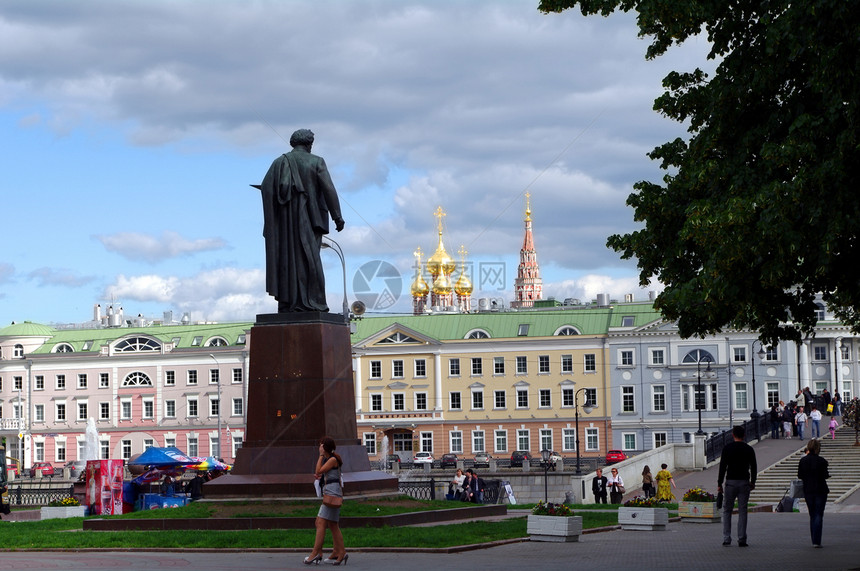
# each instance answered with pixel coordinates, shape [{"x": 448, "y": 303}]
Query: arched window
[
  {"x": 137, "y": 379},
  {"x": 698, "y": 356},
  {"x": 477, "y": 334},
  {"x": 18, "y": 351},
  {"x": 64, "y": 348},
  {"x": 567, "y": 330},
  {"x": 135, "y": 344},
  {"x": 217, "y": 342}
]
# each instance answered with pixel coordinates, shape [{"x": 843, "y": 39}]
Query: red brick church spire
[{"x": 528, "y": 284}]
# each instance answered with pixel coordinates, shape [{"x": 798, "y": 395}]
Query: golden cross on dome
[
  {"x": 528, "y": 206},
  {"x": 462, "y": 251},
  {"x": 418, "y": 253},
  {"x": 439, "y": 213}
]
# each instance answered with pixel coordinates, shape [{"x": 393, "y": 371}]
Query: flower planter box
[
  {"x": 643, "y": 519},
  {"x": 554, "y": 528},
  {"x": 700, "y": 512},
  {"x": 65, "y": 511}
]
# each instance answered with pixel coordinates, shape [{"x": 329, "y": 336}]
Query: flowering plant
[
  {"x": 560, "y": 510},
  {"x": 641, "y": 502},
  {"x": 698, "y": 495},
  {"x": 65, "y": 503}
]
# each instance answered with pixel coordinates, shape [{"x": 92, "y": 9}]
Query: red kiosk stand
[{"x": 104, "y": 487}]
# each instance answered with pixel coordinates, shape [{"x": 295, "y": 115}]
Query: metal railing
[
  {"x": 420, "y": 490},
  {"x": 755, "y": 429},
  {"x": 20, "y": 496}
]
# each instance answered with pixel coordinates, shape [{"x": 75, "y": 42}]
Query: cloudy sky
[{"x": 132, "y": 129}]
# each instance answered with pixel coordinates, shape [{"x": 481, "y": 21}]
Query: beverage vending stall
[{"x": 104, "y": 486}]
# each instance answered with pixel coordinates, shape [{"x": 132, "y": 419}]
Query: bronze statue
[{"x": 298, "y": 197}]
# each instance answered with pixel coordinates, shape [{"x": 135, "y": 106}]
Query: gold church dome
[
  {"x": 442, "y": 285},
  {"x": 419, "y": 287},
  {"x": 463, "y": 285},
  {"x": 440, "y": 263}
]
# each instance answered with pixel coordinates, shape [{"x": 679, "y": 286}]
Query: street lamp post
[
  {"x": 699, "y": 394},
  {"x": 586, "y": 408},
  {"x": 335, "y": 247},
  {"x": 754, "y": 414},
  {"x": 545, "y": 455}
]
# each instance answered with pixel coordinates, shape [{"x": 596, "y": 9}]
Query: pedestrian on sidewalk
[
  {"x": 616, "y": 487},
  {"x": 774, "y": 422},
  {"x": 787, "y": 420},
  {"x": 833, "y": 425},
  {"x": 812, "y": 469},
  {"x": 665, "y": 483},
  {"x": 738, "y": 467},
  {"x": 800, "y": 420},
  {"x": 647, "y": 482},
  {"x": 815, "y": 415},
  {"x": 599, "y": 485}
]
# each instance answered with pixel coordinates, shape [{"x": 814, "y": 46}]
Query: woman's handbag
[
  {"x": 332, "y": 501},
  {"x": 622, "y": 490}
]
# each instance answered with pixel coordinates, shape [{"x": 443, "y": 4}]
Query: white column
[
  {"x": 837, "y": 378},
  {"x": 356, "y": 368},
  {"x": 805, "y": 370},
  {"x": 437, "y": 379}
]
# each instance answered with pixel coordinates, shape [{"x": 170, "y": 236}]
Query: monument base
[{"x": 300, "y": 388}]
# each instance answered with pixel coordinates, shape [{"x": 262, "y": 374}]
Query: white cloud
[
  {"x": 59, "y": 277},
  {"x": 137, "y": 246}
]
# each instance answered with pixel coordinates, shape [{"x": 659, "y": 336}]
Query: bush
[
  {"x": 698, "y": 495},
  {"x": 69, "y": 502},
  {"x": 560, "y": 510}
]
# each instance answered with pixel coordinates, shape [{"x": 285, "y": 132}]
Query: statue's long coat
[{"x": 298, "y": 196}]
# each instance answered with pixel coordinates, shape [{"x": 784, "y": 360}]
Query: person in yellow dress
[{"x": 665, "y": 483}]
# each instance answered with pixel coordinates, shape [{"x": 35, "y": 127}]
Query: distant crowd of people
[{"x": 805, "y": 411}]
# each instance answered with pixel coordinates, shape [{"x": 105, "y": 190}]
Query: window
[
  {"x": 376, "y": 369},
  {"x": 60, "y": 450},
  {"x": 104, "y": 380},
  {"x": 82, "y": 380},
  {"x": 846, "y": 352},
  {"x": 82, "y": 410},
  {"x": 238, "y": 375},
  {"x": 477, "y": 399},
  {"x": 456, "y": 441},
  {"x": 658, "y": 357},
  {"x": 523, "y": 440},
  {"x": 477, "y": 367},
  {"x": 772, "y": 390},
  {"x": 477, "y": 334},
  {"x": 420, "y": 368},
  {"x": 104, "y": 411},
  {"x": 739, "y": 354},
  {"x": 192, "y": 407},
  {"x": 60, "y": 411},
  {"x": 591, "y": 440},
  {"x": 397, "y": 368},
  {"x": 137, "y": 379},
  {"x": 568, "y": 439},
  {"x": 421, "y": 401},
  {"x": 426, "y": 442},
  {"x": 193, "y": 447},
  {"x": 567, "y": 363},
  {"x": 625, "y": 358},
  {"x": 170, "y": 378},
  {"x": 498, "y": 365},
  {"x": 819, "y": 352},
  {"x": 628, "y": 404},
  {"x": 18, "y": 383},
  {"x": 126, "y": 449},
  {"x": 546, "y": 439},
  {"x": 456, "y": 403},
  {"x": 501, "y": 439},
  {"x": 170, "y": 408},
  {"x": 741, "y": 396},
  {"x": 543, "y": 364},
  {"x": 39, "y": 451},
  {"x": 398, "y": 401},
  {"x": 191, "y": 377},
  {"x": 478, "y": 441},
  {"x": 453, "y": 367},
  {"x": 522, "y": 365},
  {"x": 148, "y": 409},
  {"x": 590, "y": 363},
  {"x": 771, "y": 354},
  {"x": 567, "y": 330},
  {"x": 135, "y": 344},
  {"x": 522, "y": 398},
  {"x": 125, "y": 410},
  {"x": 658, "y": 398},
  {"x": 39, "y": 413},
  {"x": 544, "y": 398},
  {"x": 660, "y": 439},
  {"x": 105, "y": 449},
  {"x": 819, "y": 311},
  {"x": 16, "y": 411},
  {"x": 214, "y": 376},
  {"x": 522, "y": 330},
  {"x": 61, "y": 382},
  {"x": 499, "y": 398},
  {"x": 215, "y": 446},
  {"x": 238, "y": 406},
  {"x": 196, "y": 341},
  {"x": 217, "y": 342},
  {"x": 591, "y": 397},
  {"x": 148, "y": 443},
  {"x": 214, "y": 405},
  {"x": 376, "y": 402},
  {"x": 370, "y": 442},
  {"x": 628, "y": 320},
  {"x": 628, "y": 441},
  {"x": 18, "y": 351},
  {"x": 567, "y": 397},
  {"x": 40, "y": 382}
]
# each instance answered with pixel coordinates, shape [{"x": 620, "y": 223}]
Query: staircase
[{"x": 844, "y": 465}]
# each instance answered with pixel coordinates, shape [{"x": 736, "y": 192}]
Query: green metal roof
[{"x": 26, "y": 329}]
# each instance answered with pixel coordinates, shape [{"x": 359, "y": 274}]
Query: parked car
[
  {"x": 12, "y": 466},
  {"x": 517, "y": 457},
  {"x": 554, "y": 458},
  {"x": 448, "y": 461},
  {"x": 46, "y": 467},
  {"x": 76, "y": 468},
  {"x": 482, "y": 460},
  {"x": 614, "y": 456},
  {"x": 423, "y": 458},
  {"x": 391, "y": 460}
]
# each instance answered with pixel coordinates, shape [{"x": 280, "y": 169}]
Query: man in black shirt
[
  {"x": 598, "y": 487},
  {"x": 738, "y": 467}
]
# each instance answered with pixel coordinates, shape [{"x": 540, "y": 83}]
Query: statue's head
[{"x": 303, "y": 137}]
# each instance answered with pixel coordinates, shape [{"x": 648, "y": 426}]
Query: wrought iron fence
[
  {"x": 42, "y": 496},
  {"x": 420, "y": 490},
  {"x": 755, "y": 429}
]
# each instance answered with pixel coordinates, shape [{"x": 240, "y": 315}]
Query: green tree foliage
[
  {"x": 851, "y": 417},
  {"x": 760, "y": 208}
]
